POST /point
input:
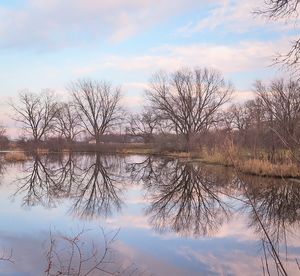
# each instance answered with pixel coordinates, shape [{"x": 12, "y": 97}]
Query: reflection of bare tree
[
  {"x": 72, "y": 255},
  {"x": 81, "y": 255},
  {"x": 274, "y": 209},
  {"x": 276, "y": 202},
  {"x": 39, "y": 183},
  {"x": 98, "y": 192},
  {"x": 146, "y": 170},
  {"x": 184, "y": 197},
  {"x": 93, "y": 183},
  {"x": 2, "y": 167},
  {"x": 48, "y": 178}
]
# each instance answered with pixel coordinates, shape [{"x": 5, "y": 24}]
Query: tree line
[{"x": 184, "y": 110}]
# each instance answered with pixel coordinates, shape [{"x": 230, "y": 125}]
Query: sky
[{"x": 50, "y": 43}]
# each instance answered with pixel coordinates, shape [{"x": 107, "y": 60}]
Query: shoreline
[{"x": 249, "y": 166}]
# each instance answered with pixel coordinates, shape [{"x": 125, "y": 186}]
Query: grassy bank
[
  {"x": 245, "y": 163},
  {"x": 241, "y": 160},
  {"x": 229, "y": 156}
]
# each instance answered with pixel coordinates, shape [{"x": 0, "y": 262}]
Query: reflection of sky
[{"x": 233, "y": 250}]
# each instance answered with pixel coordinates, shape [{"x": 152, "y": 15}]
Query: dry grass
[
  {"x": 179, "y": 154},
  {"x": 266, "y": 168},
  {"x": 41, "y": 151},
  {"x": 136, "y": 151},
  {"x": 15, "y": 156},
  {"x": 221, "y": 156},
  {"x": 231, "y": 156}
]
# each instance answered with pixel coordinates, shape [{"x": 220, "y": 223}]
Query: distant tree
[
  {"x": 98, "y": 104},
  {"x": 237, "y": 117},
  {"x": 68, "y": 122},
  {"x": 144, "y": 124},
  {"x": 36, "y": 113},
  {"x": 189, "y": 100},
  {"x": 4, "y": 141},
  {"x": 2, "y": 130}
]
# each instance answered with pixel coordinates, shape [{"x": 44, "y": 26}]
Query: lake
[{"x": 94, "y": 214}]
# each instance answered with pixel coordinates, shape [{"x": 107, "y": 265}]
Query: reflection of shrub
[
  {"x": 80, "y": 255},
  {"x": 15, "y": 156}
]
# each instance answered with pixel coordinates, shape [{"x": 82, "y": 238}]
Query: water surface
[{"x": 142, "y": 215}]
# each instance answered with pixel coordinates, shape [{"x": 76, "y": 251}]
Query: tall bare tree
[
  {"x": 281, "y": 100},
  {"x": 98, "y": 104},
  {"x": 189, "y": 99},
  {"x": 68, "y": 122},
  {"x": 36, "y": 113}
]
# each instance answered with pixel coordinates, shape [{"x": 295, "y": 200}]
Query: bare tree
[
  {"x": 68, "y": 122},
  {"x": 98, "y": 104},
  {"x": 2, "y": 130},
  {"x": 36, "y": 113},
  {"x": 278, "y": 9},
  {"x": 189, "y": 99},
  {"x": 281, "y": 99},
  {"x": 237, "y": 117},
  {"x": 144, "y": 124},
  {"x": 4, "y": 141}
]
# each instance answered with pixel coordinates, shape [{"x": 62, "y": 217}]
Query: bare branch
[{"x": 98, "y": 105}]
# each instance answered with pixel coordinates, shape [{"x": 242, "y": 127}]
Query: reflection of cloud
[
  {"x": 236, "y": 227},
  {"x": 235, "y": 262},
  {"x": 129, "y": 221},
  {"x": 26, "y": 260},
  {"x": 229, "y": 263},
  {"x": 153, "y": 263}
]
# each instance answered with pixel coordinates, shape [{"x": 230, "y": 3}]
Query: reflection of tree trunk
[
  {"x": 183, "y": 197},
  {"x": 274, "y": 212},
  {"x": 98, "y": 192}
]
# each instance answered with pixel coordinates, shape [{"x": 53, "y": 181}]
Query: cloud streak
[
  {"x": 235, "y": 17},
  {"x": 53, "y": 24}
]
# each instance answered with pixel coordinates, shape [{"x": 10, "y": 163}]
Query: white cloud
[
  {"x": 58, "y": 24},
  {"x": 243, "y": 56},
  {"x": 237, "y": 17}
]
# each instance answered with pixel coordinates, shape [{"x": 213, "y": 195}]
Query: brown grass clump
[
  {"x": 266, "y": 168},
  {"x": 15, "y": 156},
  {"x": 227, "y": 155}
]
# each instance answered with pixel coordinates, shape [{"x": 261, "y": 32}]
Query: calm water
[{"x": 140, "y": 215}]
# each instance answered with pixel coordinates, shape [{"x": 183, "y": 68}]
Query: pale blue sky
[{"x": 47, "y": 44}]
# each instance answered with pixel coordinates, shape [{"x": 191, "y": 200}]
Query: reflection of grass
[{"x": 15, "y": 156}]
